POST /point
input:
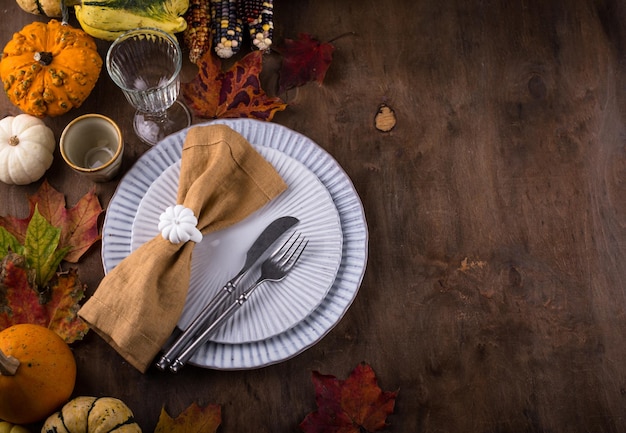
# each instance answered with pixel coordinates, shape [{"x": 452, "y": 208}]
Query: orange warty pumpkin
[
  {"x": 37, "y": 373},
  {"x": 49, "y": 68}
]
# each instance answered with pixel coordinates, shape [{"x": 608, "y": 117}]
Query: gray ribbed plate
[{"x": 122, "y": 212}]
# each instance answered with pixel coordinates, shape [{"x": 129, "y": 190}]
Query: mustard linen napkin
[{"x": 137, "y": 305}]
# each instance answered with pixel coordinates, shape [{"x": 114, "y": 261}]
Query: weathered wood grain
[{"x": 494, "y": 298}]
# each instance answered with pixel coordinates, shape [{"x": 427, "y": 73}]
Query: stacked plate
[{"x": 282, "y": 319}]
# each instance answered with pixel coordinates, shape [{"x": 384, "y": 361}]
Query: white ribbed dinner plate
[
  {"x": 117, "y": 240},
  {"x": 277, "y": 306}
]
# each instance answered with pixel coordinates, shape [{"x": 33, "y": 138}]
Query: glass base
[{"x": 151, "y": 129}]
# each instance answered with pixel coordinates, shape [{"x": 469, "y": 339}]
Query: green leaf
[
  {"x": 41, "y": 243},
  {"x": 8, "y": 242}
]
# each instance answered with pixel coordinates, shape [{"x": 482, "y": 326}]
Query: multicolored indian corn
[
  {"x": 220, "y": 23},
  {"x": 259, "y": 15},
  {"x": 227, "y": 25},
  {"x": 197, "y": 35}
]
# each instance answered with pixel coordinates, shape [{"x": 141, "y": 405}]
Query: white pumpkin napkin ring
[{"x": 178, "y": 224}]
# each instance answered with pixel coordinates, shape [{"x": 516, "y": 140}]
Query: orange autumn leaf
[
  {"x": 236, "y": 92},
  {"x": 62, "y": 307},
  {"x": 194, "y": 419},
  {"x": 78, "y": 224},
  {"x": 56, "y": 309},
  {"x": 354, "y": 405}
]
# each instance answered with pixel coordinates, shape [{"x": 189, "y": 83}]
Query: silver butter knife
[{"x": 265, "y": 240}]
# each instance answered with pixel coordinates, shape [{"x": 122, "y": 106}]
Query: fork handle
[
  {"x": 188, "y": 352},
  {"x": 209, "y": 311}
]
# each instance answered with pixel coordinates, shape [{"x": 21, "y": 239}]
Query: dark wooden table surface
[{"x": 494, "y": 298}]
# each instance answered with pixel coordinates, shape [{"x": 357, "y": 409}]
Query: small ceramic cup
[{"x": 93, "y": 145}]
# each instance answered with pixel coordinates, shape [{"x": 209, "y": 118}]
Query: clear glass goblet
[{"x": 145, "y": 63}]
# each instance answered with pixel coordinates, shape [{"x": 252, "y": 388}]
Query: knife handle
[
  {"x": 208, "y": 312},
  {"x": 202, "y": 338}
]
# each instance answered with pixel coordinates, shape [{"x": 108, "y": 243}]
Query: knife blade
[{"x": 263, "y": 242}]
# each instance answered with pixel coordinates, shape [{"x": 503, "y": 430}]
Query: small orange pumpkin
[
  {"x": 37, "y": 373},
  {"x": 49, "y": 68}
]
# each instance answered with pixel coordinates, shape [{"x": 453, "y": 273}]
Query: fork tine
[
  {"x": 293, "y": 258},
  {"x": 283, "y": 255},
  {"x": 280, "y": 250}
]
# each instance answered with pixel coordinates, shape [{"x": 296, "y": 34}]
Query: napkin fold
[{"x": 223, "y": 179}]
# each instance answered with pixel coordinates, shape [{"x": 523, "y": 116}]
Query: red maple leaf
[
  {"x": 19, "y": 301},
  {"x": 79, "y": 224},
  {"x": 56, "y": 309},
  {"x": 304, "y": 60},
  {"x": 235, "y": 93},
  {"x": 31, "y": 288},
  {"x": 354, "y": 405}
]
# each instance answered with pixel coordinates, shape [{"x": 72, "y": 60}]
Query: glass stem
[{"x": 158, "y": 117}]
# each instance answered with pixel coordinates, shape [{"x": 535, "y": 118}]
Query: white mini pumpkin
[{"x": 26, "y": 149}]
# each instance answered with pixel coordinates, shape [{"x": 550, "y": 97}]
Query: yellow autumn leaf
[{"x": 194, "y": 419}]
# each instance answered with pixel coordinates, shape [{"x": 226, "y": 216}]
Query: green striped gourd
[
  {"x": 107, "y": 19},
  {"x": 92, "y": 415}
]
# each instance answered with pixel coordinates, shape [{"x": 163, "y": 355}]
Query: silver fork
[{"x": 274, "y": 268}]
